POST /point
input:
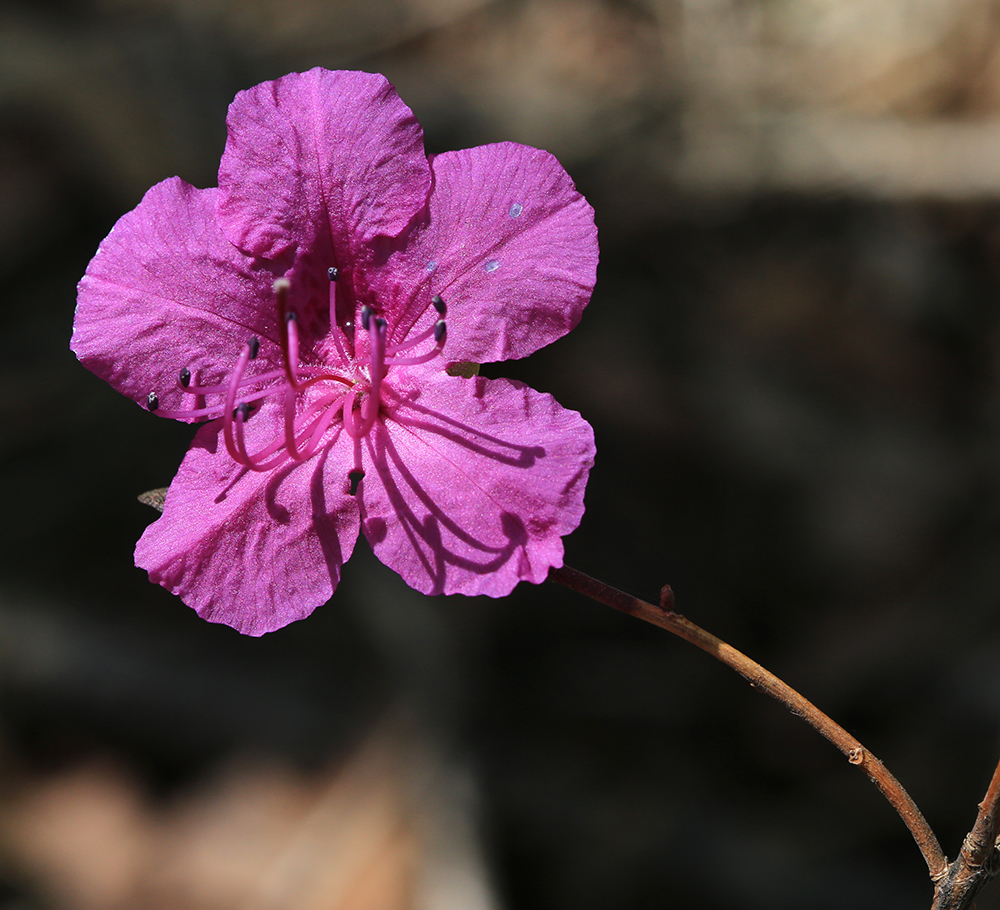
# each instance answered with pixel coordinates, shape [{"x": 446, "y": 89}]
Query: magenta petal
[
  {"x": 253, "y": 551},
  {"x": 166, "y": 290},
  {"x": 510, "y": 245},
  {"x": 320, "y": 156},
  {"x": 471, "y": 485}
]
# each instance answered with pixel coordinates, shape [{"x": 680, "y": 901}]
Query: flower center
[{"x": 312, "y": 396}]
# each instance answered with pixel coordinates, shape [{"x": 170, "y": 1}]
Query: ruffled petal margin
[
  {"x": 166, "y": 290},
  {"x": 254, "y": 551},
  {"x": 318, "y": 157},
  {"x": 471, "y": 484},
  {"x": 509, "y": 244}
]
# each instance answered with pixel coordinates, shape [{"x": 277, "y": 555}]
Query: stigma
[{"x": 343, "y": 390}]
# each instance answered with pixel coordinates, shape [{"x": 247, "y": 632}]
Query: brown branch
[
  {"x": 978, "y": 860},
  {"x": 767, "y": 682}
]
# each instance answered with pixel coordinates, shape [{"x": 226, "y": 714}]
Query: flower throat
[{"x": 312, "y": 396}]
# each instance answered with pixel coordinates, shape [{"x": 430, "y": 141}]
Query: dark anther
[
  {"x": 440, "y": 330},
  {"x": 439, "y": 304},
  {"x": 185, "y": 377},
  {"x": 332, "y": 273},
  {"x": 242, "y": 411},
  {"x": 355, "y": 478},
  {"x": 291, "y": 317},
  {"x": 254, "y": 343},
  {"x": 380, "y": 323},
  {"x": 152, "y": 402},
  {"x": 366, "y": 316}
]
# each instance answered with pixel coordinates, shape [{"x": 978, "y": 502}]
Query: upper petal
[
  {"x": 317, "y": 157},
  {"x": 471, "y": 484},
  {"x": 509, "y": 244},
  {"x": 254, "y": 551},
  {"x": 166, "y": 290}
]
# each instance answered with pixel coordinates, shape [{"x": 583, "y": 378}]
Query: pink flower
[{"x": 308, "y": 308}]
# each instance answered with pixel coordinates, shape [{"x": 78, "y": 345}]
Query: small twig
[
  {"x": 978, "y": 860},
  {"x": 767, "y": 682}
]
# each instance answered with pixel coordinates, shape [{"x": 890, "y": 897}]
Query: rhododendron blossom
[{"x": 309, "y": 311}]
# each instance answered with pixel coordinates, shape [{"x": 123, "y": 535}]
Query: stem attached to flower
[{"x": 665, "y": 617}]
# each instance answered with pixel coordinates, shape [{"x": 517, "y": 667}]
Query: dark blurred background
[{"x": 790, "y": 363}]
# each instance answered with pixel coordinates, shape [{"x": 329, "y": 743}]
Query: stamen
[
  {"x": 290, "y": 396},
  {"x": 411, "y": 361},
  {"x": 230, "y": 406},
  {"x": 395, "y": 349},
  {"x": 329, "y": 405},
  {"x": 332, "y": 404},
  {"x": 193, "y": 414},
  {"x": 247, "y": 381},
  {"x": 259, "y": 461},
  {"x": 281, "y": 289},
  {"x": 355, "y": 398},
  {"x": 351, "y": 426},
  {"x": 216, "y": 410},
  {"x": 439, "y": 331},
  {"x": 358, "y": 425},
  {"x": 377, "y": 330},
  {"x": 302, "y": 433},
  {"x": 324, "y": 377},
  {"x": 292, "y": 348}
]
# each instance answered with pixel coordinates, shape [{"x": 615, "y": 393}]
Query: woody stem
[
  {"x": 978, "y": 860},
  {"x": 765, "y": 681}
]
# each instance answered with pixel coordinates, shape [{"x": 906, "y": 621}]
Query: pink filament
[
  {"x": 320, "y": 426},
  {"x": 368, "y": 412},
  {"x": 395, "y": 349},
  {"x": 292, "y": 327},
  {"x": 289, "y": 405},
  {"x": 230, "y": 405},
  {"x": 409, "y": 361},
  {"x": 326, "y": 408},
  {"x": 222, "y": 389},
  {"x": 351, "y": 423},
  {"x": 214, "y": 411},
  {"x": 301, "y": 436}
]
